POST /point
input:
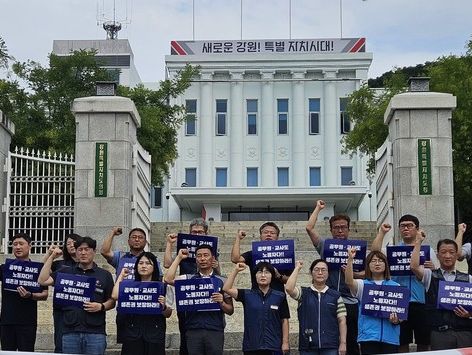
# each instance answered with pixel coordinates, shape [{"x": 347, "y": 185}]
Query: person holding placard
[
  {"x": 84, "y": 327},
  {"x": 339, "y": 226},
  {"x": 465, "y": 250},
  {"x": 321, "y": 313},
  {"x": 19, "y": 313},
  {"x": 69, "y": 258},
  {"x": 204, "y": 330},
  {"x": 143, "y": 333},
  {"x": 408, "y": 226},
  {"x": 198, "y": 226},
  {"x": 450, "y": 329},
  {"x": 376, "y": 335},
  {"x": 265, "y": 312}
]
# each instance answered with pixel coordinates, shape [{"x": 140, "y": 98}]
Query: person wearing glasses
[
  {"x": 409, "y": 226},
  {"x": 339, "y": 228},
  {"x": 376, "y": 335},
  {"x": 321, "y": 312},
  {"x": 265, "y": 312}
]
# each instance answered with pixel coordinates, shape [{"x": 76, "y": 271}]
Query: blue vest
[
  {"x": 378, "y": 329},
  {"x": 417, "y": 291},
  {"x": 262, "y": 322},
  {"x": 442, "y": 317},
  {"x": 318, "y": 321},
  {"x": 209, "y": 320}
]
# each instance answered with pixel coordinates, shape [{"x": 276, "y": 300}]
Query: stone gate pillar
[
  {"x": 105, "y": 139},
  {"x": 7, "y": 129},
  {"x": 419, "y": 125}
]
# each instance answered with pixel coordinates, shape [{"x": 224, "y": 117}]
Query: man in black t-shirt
[
  {"x": 84, "y": 328},
  {"x": 19, "y": 315}
]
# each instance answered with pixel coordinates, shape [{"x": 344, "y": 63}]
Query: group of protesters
[{"x": 356, "y": 302}]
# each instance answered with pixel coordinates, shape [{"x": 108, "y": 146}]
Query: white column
[
  {"x": 298, "y": 133},
  {"x": 330, "y": 140},
  {"x": 207, "y": 131},
  {"x": 236, "y": 131},
  {"x": 267, "y": 130}
]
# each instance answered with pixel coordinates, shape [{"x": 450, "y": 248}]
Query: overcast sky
[{"x": 398, "y": 32}]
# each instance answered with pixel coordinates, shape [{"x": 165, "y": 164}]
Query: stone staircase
[{"x": 226, "y": 231}]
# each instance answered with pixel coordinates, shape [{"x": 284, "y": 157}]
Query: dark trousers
[
  {"x": 18, "y": 337},
  {"x": 58, "y": 329},
  {"x": 183, "y": 341},
  {"x": 142, "y": 347},
  {"x": 352, "y": 346},
  {"x": 377, "y": 347},
  {"x": 451, "y": 339},
  {"x": 204, "y": 342}
]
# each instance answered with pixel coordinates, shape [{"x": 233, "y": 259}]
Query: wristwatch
[{"x": 103, "y": 307}]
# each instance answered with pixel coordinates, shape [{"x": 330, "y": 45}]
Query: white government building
[{"x": 262, "y": 138}]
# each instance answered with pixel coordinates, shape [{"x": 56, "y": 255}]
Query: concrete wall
[
  {"x": 423, "y": 115},
  {"x": 7, "y": 129},
  {"x": 113, "y": 120}
]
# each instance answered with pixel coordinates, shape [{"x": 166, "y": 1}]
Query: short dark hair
[
  {"x": 264, "y": 265},
  {"x": 339, "y": 217},
  {"x": 156, "y": 276},
  {"x": 409, "y": 218},
  {"x": 91, "y": 243},
  {"x": 269, "y": 224},
  {"x": 316, "y": 262},
  {"x": 21, "y": 235},
  {"x": 204, "y": 246},
  {"x": 447, "y": 241},
  {"x": 136, "y": 230}
]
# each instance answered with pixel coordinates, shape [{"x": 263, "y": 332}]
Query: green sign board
[
  {"x": 424, "y": 167},
  {"x": 101, "y": 168}
]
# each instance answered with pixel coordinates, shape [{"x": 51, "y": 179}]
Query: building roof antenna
[{"x": 111, "y": 25}]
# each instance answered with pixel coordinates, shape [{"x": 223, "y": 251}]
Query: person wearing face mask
[
  {"x": 204, "y": 330},
  {"x": 339, "y": 228},
  {"x": 265, "y": 312},
  {"x": 144, "y": 333},
  {"x": 321, "y": 312}
]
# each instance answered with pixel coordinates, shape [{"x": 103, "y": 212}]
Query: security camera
[
  {"x": 167, "y": 195},
  {"x": 369, "y": 193}
]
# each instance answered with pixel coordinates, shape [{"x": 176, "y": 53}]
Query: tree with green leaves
[
  {"x": 4, "y": 56},
  {"x": 449, "y": 74}
]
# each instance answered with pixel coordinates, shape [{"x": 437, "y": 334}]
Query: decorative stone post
[
  {"x": 419, "y": 124},
  {"x": 7, "y": 130}
]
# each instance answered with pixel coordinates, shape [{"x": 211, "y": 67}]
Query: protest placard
[
  {"x": 191, "y": 242},
  {"x": 381, "y": 300},
  {"x": 194, "y": 294},
  {"x": 73, "y": 290},
  {"x": 21, "y": 273},
  {"x": 279, "y": 253},
  {"x": 399, "y": 258},
  {"x": 140, "y": 297},
  {"x": 453, "y": 294},
  {"x": 335, "y": 253}
]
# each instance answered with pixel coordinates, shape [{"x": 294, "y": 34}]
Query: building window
[
  {"x": 314, "y": 116},
  {"x": 252, "y": 179},
  {"x": 282, "y": 177},
  {"x": 345, "y": 122},
  {"x": 346, "y": 175},
  {"x": 156, "y": 197},
  {"x": 282, "y": 114},
  {"x": 251, "y": 108},
  {"x": 191, "y": 117},
  {"x": 221, "y": 111},
  {"x": 221, "y": 177},
  {"x": 191, "y": 177},
  {"x": 315, "y": 176}
]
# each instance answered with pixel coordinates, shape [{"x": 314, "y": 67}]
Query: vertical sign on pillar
[
  {"x": 424, "y": 166},
  {"x": 101, "y": 168}
]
